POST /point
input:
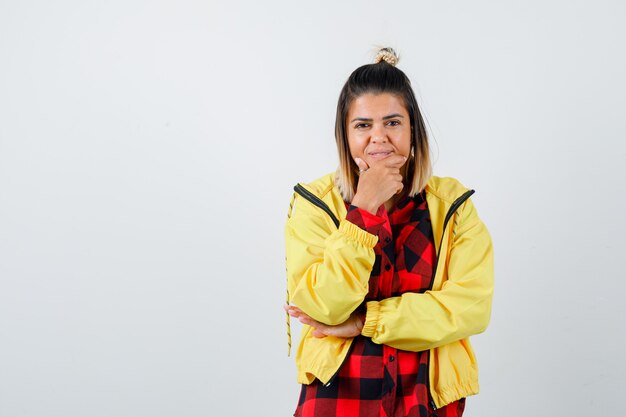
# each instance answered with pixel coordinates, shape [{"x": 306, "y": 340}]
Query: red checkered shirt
[{"x": 378, "y": 380}]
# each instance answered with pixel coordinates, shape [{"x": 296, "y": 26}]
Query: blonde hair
[{"x": 381, "y": 77}]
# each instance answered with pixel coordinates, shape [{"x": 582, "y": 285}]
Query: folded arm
[
  {"x": 462, "y": 306},
  {"x": 328, "y": 268}
]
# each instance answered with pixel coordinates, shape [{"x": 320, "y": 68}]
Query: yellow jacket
[{"x": 328, "y": 269}]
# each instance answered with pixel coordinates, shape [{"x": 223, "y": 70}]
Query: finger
[
  {"x": 295, "y": 312},
  {"x": 295, "y": 309},
  {"x": 361, "y": 164},
  {"x": 318, "y": 333},
  {"x": 304, "y": 319}
]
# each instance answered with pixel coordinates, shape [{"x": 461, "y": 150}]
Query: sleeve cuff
[
  {"x": 356, "y": 233},
  {"x": 371, "y": 318},
  {"x": 365, "y": 220}
]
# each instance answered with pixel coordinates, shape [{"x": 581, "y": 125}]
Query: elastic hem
[
  {"x": 445, "y": 396},
  {"x": 371, "y": 318},
  {"x": 356, "y": 233}
]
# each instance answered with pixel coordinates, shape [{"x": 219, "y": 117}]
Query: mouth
[{"x": 379, "y": 154}]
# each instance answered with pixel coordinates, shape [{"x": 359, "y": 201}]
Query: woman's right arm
[{"x": 328, "y": 268}]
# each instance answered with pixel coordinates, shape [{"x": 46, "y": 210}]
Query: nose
[{"x": 379, "y": 135}]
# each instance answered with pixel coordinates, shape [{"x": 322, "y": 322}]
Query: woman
[{"x": 389, "y": 268}]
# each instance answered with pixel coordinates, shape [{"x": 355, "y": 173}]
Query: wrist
[
  {"x": 359, "y": 322},
  {"x": 358, "y": 202}
]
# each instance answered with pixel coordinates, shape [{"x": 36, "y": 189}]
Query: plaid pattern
[{"x": 378, "y": 380}]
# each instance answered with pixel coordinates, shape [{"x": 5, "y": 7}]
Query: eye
[
  {"x": 393, "y": 123},
  {"x": 361, "y": 125}
]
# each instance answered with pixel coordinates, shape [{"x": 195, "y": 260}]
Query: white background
[{"x": 147, "y": 155}]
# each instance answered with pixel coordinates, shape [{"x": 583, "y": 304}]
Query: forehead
[{"x": 373, "y": 106}]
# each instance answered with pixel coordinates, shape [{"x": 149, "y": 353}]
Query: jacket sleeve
[
  {"x": 462, "y": 307},
  {"x": 328, "y": 268}
]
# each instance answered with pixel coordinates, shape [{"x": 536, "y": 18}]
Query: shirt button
[
  {"x": 387, "y": 267},
  {"x": 392, "y": 358}
]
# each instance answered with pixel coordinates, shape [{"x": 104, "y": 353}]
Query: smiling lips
[{"x": 377, "y": 155}]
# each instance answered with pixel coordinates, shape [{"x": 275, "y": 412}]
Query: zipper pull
[{"x": 434, "y": 407}]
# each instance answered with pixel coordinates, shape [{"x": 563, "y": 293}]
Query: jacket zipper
[
  {"x": 453, "y": 208},
  {"x": 316, "y": 201},
  {"x": 332, "y": 378}
]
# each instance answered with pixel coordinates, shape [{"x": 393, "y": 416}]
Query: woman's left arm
[{"x": 462, "y": 307}]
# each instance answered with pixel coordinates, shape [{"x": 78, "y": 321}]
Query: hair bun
[{"x": 388, "y": 55}]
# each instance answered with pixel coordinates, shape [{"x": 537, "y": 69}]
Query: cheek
[
  {"x": 403, "y": 145},
  {"x": 406, "y": 145},
  {"x": 356, "y": 146}
]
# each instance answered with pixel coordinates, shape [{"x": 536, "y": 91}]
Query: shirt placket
[{"x": 390, "y": 363}]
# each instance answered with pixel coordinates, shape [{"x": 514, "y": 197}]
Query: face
[{"x": 378, "y": 127}]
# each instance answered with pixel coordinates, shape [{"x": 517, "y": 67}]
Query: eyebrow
[{"x": 364, "y": 119}]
